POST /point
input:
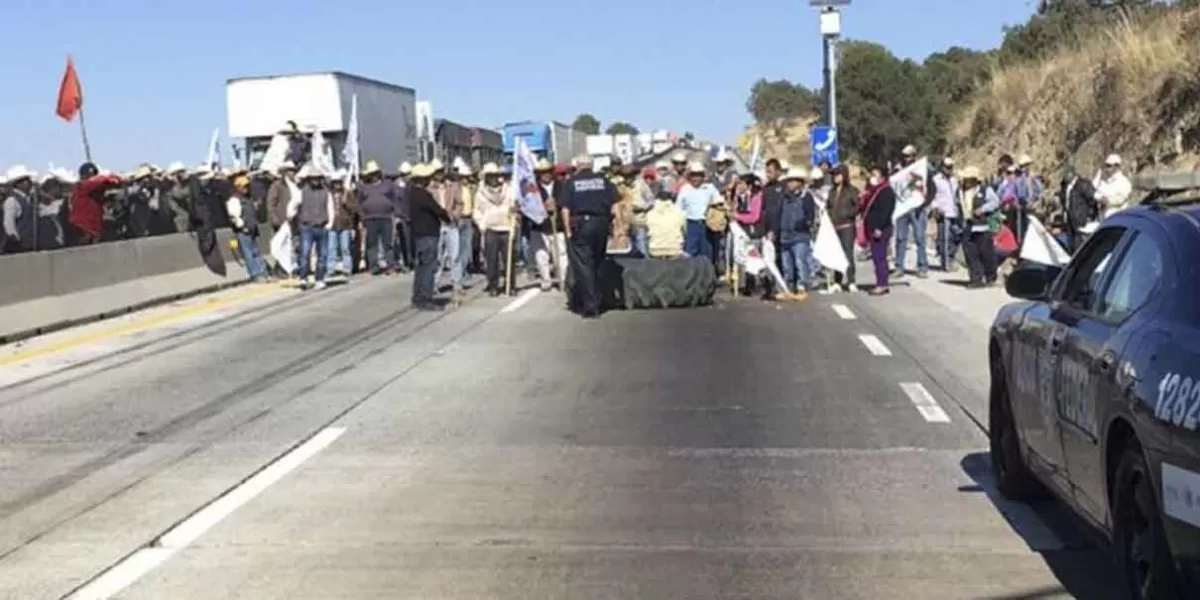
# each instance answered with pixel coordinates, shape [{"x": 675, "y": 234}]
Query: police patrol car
[{"x": 1095, "y": 386}]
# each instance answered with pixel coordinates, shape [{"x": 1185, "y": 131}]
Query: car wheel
[
  {"x": 1139, "y": 541},
  {"x": 1013, "y": 477}
]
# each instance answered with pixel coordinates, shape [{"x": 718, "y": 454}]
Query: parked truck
[
  {"x": 259, "y": 107},
  {"x": 548, "y": 139}
]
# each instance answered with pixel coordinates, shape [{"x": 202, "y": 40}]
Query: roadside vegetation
[{"x": 1080, "y": 79}]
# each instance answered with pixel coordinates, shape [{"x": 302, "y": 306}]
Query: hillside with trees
[{"x": 1079, "y": 79}]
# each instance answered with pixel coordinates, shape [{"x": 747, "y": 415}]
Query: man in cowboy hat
[
  {"x": 141, "y": 200},
  {"x": 493, "y": 214},
  {"x": 587, "y": 209},
  {"x": 724, "y": 176},
  {"x": 243, "y": 221},
  {"x": 402, "y": 247},
  {"x": 280, "y": 195},
  {"x": 378, "y": 201},
  {"x": 20, "y": 214},
  {"x": 792, "y": 229},
  {"x": 675, "y": 179},
  {"x": 428, "y": 221},
  {"x": 694, "y": 198},
  {"x": 449, "y": 195},
  {"x": 179, "y": 194},
  {"x": 547, "y": 240},
  {"x": 87, "y": 202},
  {"x": 466, "y": 227},
  {"x": 53, "y": 188},
  {"x": 314, "y": 211}
]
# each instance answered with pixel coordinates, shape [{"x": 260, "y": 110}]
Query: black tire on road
[
  {"x": 1139, "y": 542},
  {"x": 1013, "y": 477}
]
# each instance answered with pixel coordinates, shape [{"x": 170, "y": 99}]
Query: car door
[
  {"x": 1094, "y": 356},
  {"x": 1046, "y": 329},
  {"x": 1032, "y": 388}
]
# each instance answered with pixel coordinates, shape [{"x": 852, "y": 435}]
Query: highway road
[{"x": 267, "y": 443}]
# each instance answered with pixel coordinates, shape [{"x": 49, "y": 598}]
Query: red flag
[{"x": 70, "y": 93}]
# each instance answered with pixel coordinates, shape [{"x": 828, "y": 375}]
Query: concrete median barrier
[{"x": 51, "y": 290}]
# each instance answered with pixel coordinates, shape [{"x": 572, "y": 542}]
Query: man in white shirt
[{"x": 1112, "y": 187}]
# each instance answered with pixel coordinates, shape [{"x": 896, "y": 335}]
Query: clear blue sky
[{"x": 153, "y": 71}]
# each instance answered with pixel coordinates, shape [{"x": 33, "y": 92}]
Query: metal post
[{"x": 831, "y": 61}]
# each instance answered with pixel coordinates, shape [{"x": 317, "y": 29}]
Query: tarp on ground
[{"x": 657, "y": 283}]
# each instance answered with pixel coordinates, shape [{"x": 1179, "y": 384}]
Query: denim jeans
[
  {"x": 796, "y": 265},
  {"x": 914, "y": 222},
  {"x": 448, "y": 248},
  {"x": 425, "y": 249},
  {"x": 949, "y": 237},
  {"x": 378, "y": 243},
  {"x": 339, "y": 251},
  {"x": 641, "y": 240},
  {"x": 313, "y": 238},
  {"x": 251, "y": 256},
  {"x": 466, "y": 243},
  {"x": 695, "y": 239}
]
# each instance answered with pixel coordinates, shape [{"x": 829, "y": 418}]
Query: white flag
[
  {"x": 1041, "y": 247},
  {"x": 745, "y": 253},
  {"x": 281, "y": 249},
  {"x": 827, "y": 248},
  {"x": 908, "y": 200},
  {"x": 350, "y": 151},
  {"x": 322, "y": 155},
  {"x": 214, "y": 150},
  {"x": 524, "y": 185},
  {"x": 275, "y": 155}
]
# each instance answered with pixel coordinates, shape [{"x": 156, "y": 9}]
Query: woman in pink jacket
[{"x": 747, "y": 212}]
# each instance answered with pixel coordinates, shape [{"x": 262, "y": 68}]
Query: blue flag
[{"x": 524, "y": 184}]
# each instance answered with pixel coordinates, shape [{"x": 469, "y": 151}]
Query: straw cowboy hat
[
  {"x": 971, "y": 172},
  {"x": 723, "y": 156},
  {"x": 422, "y": 171},
  {"x": 491, "y": 169},
  {"x": 696, "y": 167},
  {"x": 909, "y": 150},
  {"x": 543, "y": 166},
  {"x": 237, "y": 171},
  {"x": 176, "y": 167},
  {"x": 1025, "y": 160},
  {"x": 463, "y": 170},
  {"x": 373, "y": 167},
  {"x": 142, "y": 172},
  {"x": 816, "y": 173},
  {"x": 795, "y": 174},
  {"x": 17, "y": 173},
  {"x": 406, "y": 168},
  {"x": 436, "y": 165},
  {"x": 679, "y": 157},
  {"x": 308, "y": 171}
]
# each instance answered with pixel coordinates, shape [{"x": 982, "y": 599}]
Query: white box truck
[
  {"x": 599, "y": 145},
  {"x": 259, "y": 107}
]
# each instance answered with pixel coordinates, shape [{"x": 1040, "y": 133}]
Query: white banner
[
  {"x": 827, "y": 248},
  {"x": 281, "y": 249},
  {"x": 909, "y": 198},
  {"x": 745, "y": 252},
  {"x": 322, "y": 155},
  {"x": 1041, "y": 247},
  {"x": 275, "y": 155}
]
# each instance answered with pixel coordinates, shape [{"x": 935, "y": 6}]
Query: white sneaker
[
  {"x": 320, "y": 285},
  {"x": 853, "y": 287}
]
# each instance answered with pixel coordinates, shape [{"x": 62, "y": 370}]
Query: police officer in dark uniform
[{"x": 587, "y": 204}]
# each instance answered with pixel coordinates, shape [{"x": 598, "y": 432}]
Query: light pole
[{"x": 831, "y": 28}]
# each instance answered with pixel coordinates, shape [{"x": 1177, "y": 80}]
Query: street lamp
[{"x": 831, "y": 28}]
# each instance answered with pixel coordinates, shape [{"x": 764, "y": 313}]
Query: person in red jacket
[{"x": 86, "y": 211}]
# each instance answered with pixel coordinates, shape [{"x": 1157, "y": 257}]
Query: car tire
[
  {"x": 1014, "y": 480},
  {"x": 1139, "y": 541}
]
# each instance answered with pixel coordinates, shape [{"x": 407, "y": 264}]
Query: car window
[
  {"x": 1086, "y": 273},
  {"x": 1134, "y": 281}
]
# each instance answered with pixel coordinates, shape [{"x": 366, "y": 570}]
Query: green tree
[
  {"x": 772, "y": 102},
  {"x": 621, "y": 127},
  {"x": 882, "y": 103},
  {"x": 951, "y": 77},
  {"x": 587, "y": 124}
]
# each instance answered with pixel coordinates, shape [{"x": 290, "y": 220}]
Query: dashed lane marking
[
  {"x": 874, "y": 345},
  {"x": 843, "y": 311},
  {"x": 123, "y": 574},
  {"x": 925, "y": 403},
  {"x": 521, "y": 300}
]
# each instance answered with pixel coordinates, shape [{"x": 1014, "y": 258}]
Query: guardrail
[{"x": 50, "y": 290}]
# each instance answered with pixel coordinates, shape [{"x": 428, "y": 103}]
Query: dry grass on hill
[
  {"x": 788, "y": 141},
  {"x": 1134, "y": 90}
]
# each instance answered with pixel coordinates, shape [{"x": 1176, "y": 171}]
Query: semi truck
[
  {"x": 259, "y": 107},
  {"x": 547, "y": 139}
]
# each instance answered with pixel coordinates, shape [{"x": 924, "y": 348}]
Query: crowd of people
[{"x": 678, "y": 207}]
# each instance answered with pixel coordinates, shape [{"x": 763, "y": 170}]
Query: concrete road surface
[{"x": 336, "y": 444}]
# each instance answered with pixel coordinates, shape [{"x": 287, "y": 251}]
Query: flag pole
[{"x": 87, "y": 148}]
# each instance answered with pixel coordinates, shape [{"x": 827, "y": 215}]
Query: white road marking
[
  {"x": 521, "y": 300},
  {"x": 123, "y": 574},
  {"x": 844, "y": 312},
  {"x": 926, "y": 405},
  {"x": 874, "y": 345}
]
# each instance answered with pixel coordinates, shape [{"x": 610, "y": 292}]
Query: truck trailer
[
  {"x": 547, "y": 139},
  {"x": 259, "y": 107}
]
